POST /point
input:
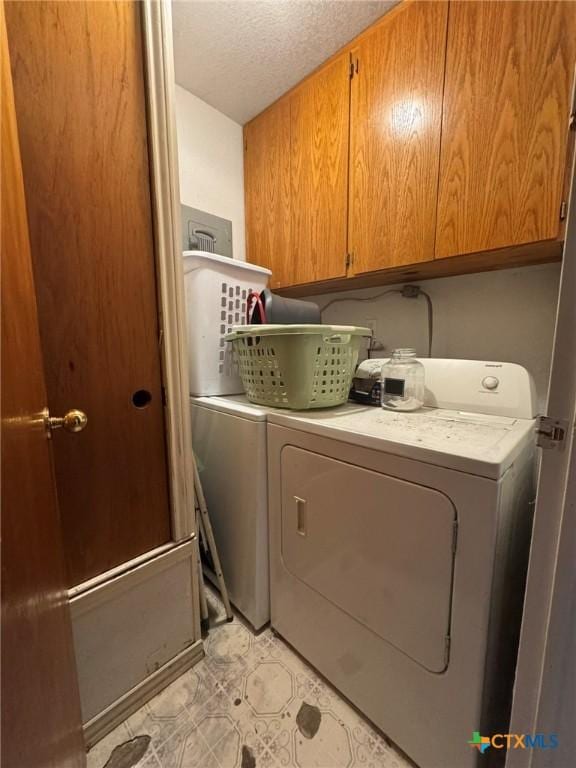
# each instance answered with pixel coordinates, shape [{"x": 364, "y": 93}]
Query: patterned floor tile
[
  {"x": 186, "y": 748},
  {"x": 228, "y": 749},
  {"x": 269, "y": 688},
  {"x": 250, "y": 703},
  {"x": 330, "y": 746},
  {"x": 170, "y": 710},
  {"x": 102, "y": 752}
]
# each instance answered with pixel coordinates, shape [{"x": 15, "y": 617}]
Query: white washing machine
[
  {"x": 229, "y": 437},
  {"x": 398, "y": 551}
]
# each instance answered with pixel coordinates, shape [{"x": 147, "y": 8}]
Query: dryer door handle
[{"x": 301, "y": 516}]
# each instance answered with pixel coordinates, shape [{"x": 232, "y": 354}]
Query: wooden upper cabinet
[
  {"x": 319, "y": 118},
  {"x": 396, "y": 112},
  {"x": 509, "y": 71},
  {"x": 448, "y": 137},
  {"x": 267, "y": 192}
]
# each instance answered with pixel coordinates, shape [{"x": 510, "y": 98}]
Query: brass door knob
[{"x": 72, "y": 421}]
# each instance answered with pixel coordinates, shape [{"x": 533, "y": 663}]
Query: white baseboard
[{"x": 122, "y": 708}]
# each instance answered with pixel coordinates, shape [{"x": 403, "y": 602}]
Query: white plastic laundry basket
[{"x": 216, "y": 291}]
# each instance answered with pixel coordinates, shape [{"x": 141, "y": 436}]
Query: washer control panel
[
  {"x": 474, "y": 386},
  {"x": 478, "y": 386}
]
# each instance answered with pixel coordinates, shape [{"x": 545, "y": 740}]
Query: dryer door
[{"x": 379, "y": 548}]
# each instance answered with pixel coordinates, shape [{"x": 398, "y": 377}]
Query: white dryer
[{"x": 398, "y": 551}]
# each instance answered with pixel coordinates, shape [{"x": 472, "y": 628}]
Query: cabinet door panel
[
  {"x": 267, "y": 192},
  {"x": 396, "y": 107},
  {"x": 319, "y": 119},
  {"x": 509, "y": 69}
]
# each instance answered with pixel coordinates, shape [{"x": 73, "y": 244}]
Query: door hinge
[
  {"x": 551, "y": 433},
  {"x": 447, "y": 642},
  {"x": 563, "y": 207},
  {"x": 163, "y": 391},
  {"x": 572, "y": 118},
  {"x": 454, "y": 535}
]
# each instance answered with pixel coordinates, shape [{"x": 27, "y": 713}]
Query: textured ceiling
[{"x": 241, "y": 55}]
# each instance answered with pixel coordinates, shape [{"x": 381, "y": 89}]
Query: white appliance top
[
  {"x": 469, "y": 442},
  {"x": 465, "y": 425},
  {"x": 233, "y": 405},
  {"x": 478, "y": 417}
]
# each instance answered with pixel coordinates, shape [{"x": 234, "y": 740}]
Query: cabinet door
[
  {"x": 509, "y": 71},
  {"x": 267, "y": 191},
  {"x": 319, "y": 118},
  {"x": 396, "y": 109}
]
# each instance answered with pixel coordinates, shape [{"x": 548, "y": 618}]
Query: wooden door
[
  {"x": 41, "y": 721},
  {"x": 396, "y": 111},
  {"x": 79, "y": 89},
  {"x": 267, "y": 192},
  {"x": 319, "y": 121},
  {"x": 509, "y": 71}
]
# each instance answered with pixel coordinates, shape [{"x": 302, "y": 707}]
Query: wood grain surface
[
  {"x": 80, "y": 103},
  {"x": 267, "y": 192},
  {"x": 544, "y": 252},
  {"x": 41, "y": 721},
  {"x": 509, "y": 72},
  {"x": 319, "y": 122},
  {"x": 396, "y": 110}
]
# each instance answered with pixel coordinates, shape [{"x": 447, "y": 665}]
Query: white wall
[
  {"x": 506, "y": 316},
  {"x": 211, "y": 162}
]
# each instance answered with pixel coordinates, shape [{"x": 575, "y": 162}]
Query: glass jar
[{"x": 403, "y": 381}]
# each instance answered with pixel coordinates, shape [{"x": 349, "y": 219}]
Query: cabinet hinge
[
  {"x": 563, "y": 207},
  {"x": 454, "y": 536},
  {"x": 447, "y": 641},
  {"x": 349, "y": 260},
  {"x": 353, "y": 67},
  {"x": 551, "y": 433}
]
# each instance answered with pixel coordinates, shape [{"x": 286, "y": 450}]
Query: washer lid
[
  {"x": 234, "y": 405},
  {"x": 479, "y": 444}
]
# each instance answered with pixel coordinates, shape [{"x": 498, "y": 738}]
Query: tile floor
[{"x": 250, "y": 703}]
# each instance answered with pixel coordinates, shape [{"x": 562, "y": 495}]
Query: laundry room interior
[{"x": 288, "y": 310}]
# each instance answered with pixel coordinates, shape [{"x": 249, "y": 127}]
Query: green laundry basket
[{"x": 297, "y": 366}]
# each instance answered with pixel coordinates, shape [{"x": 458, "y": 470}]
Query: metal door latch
[{"x": 551, "y": 433}]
